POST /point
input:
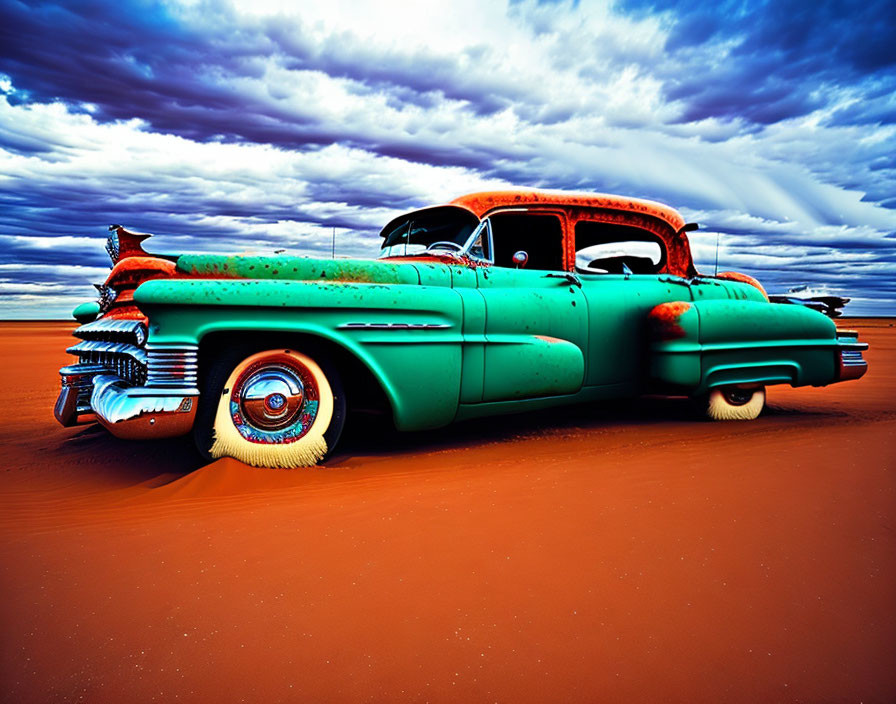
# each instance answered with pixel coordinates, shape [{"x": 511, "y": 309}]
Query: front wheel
[
  {"x": 735, "y": 402},
  {"x": 276, "y": 408}
]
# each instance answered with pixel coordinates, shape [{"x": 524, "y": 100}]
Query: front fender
[{"x": 408, "y": 336}]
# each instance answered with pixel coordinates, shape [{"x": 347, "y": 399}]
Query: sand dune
[{"x": 616, "y": 553}]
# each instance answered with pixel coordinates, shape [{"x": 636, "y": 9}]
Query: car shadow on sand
[
  {"x": 140, "y": 460},
  {"x": 376, "y": 436},
  {"x": 143, "y": 461}
]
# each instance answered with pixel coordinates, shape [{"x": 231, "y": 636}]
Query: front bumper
[
  {"x": 135, "y": 392},
  {"x": 142, "y": 412},
  {"x": 133, "y": 412}
]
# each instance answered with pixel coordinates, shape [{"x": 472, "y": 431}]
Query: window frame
[
  {"x": 649, "y": 235},
  {"x": 560, "y": 214}
]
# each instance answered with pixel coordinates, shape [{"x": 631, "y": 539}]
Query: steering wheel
[{"x": 446, "y": 243}]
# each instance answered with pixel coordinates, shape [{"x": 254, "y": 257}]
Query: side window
[
  {"x": 540, "y": 236},
  {"x": 604, "y": 248}
]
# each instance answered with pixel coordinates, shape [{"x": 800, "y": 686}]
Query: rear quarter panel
[{"x": 716, "y": 342}]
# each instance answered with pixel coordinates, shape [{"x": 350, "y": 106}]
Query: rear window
[{"x": 607, "y": 248}]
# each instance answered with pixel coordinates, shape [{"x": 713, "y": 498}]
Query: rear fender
[{"x": 701, "y": 345}]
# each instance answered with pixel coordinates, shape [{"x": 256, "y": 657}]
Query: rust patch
[
  {"x": 128, "y": 312},
  {"x": 657, "y": 218},
  {"x": 468, "y": 262},
  {"x": 742, "y": 278},
  {"x": 665, "y": 320},
  {"x": 135, "y": 270},
  {"x": 350, "y": 276},
  {"x": 128, "y": 274}
]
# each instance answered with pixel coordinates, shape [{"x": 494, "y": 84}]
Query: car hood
[{"x": 366, "y": 271}]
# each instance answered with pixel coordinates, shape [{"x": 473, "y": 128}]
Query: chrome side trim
[
  {"x": 394, "y": 326},
  {"x": 138, "y": 412}
]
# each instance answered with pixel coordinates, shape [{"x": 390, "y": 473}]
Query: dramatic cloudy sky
[{"x": 259, "y": 125}]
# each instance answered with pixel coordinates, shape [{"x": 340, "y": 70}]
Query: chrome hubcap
[{"x": 272, "y": 397}]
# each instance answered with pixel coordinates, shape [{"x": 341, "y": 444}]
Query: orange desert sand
[{"x": 613, "y": 553}]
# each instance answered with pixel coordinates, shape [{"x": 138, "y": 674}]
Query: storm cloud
[{"x": 254, "y": 126}]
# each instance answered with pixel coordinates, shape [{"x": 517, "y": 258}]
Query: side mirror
[
  {"x": 687, "y": 227},
  {"x": 520, "y": 259}
]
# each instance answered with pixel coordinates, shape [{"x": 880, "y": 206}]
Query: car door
[
  {"x": 617, "y": 266},
  {"x": 536, "y": 321}
]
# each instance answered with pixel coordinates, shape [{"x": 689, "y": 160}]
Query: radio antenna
[{"x": 717, "y": 254}]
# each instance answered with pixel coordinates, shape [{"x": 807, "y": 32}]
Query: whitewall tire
[
  {"x": 735, "y": 402},
  {"x": 276, "y": 408}
]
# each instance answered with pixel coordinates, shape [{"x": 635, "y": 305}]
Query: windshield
[{"x": 416, "y": 234}]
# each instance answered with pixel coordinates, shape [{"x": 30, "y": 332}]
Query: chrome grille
[
  {"x": 113, "y": 330},
  {"x": 120, "y": 358},
  {"x": 107, "y": 346},
  {"x": 172, "y": 365}
]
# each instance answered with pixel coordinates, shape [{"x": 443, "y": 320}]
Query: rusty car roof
[
  {"x": 480, "y": 204},
  {"x": 485, "y": 201}
]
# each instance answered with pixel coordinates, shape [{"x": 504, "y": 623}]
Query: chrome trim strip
[
  {"x": 113, "y": 329},
  {"x": 850, "y": 364},
  {"x": 849, "y": 340},
  {"x": 852, "y": 357},
  {"x": 105, "y": 325},
  {"x": 81, "y": 370},
  {"x": 173, "y": 348},
  {"x": 172, "y": 365},
  {"x": 394, "y": 326}
]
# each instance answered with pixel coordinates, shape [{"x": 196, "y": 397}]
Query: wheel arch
[
  {"x": 768, "y": 373},
  {"x": 366, "y": 384}
]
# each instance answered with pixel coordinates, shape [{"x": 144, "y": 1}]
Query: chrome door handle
[{"x": 566, "y": 276}]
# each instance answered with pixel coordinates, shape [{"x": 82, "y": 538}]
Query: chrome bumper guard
[
  {"x": 142, "y": 411},
  {"x": 850, "y": 363}
]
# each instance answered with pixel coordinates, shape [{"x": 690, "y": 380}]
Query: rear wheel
[
  {"x": 735, "y": 402},
  {"x": 276, "y": 408}
]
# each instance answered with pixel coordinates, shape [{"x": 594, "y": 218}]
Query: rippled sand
[{"x": 622, "y": 552}]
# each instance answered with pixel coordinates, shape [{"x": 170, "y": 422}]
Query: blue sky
[{"x": 231, "y": 126}]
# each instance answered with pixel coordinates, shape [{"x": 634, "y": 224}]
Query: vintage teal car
[{"x": 497, "y": 302}]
